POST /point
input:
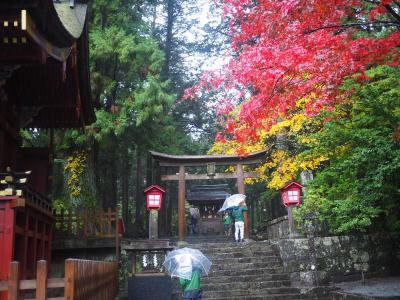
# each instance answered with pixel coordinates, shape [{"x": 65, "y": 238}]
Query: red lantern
[
  {"x": 291, "y": 194},
  {"x": 154, "y": 197}
]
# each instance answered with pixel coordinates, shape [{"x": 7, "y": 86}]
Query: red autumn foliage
[{"x": 286, "y": 50}]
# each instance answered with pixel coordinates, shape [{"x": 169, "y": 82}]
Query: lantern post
[
  {"x": 154, "y": 196},
  {"x": 291, "y": 198}
]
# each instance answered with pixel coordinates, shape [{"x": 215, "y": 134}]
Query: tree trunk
[
  {"x": 112, "y": 202},
  {"x": 169, "y": 36},
  {"x": 96, "y": 170},
  {"x": 153, "y": 22},
  {"x": 139, "y": 215},
  {"x": 172, "y": 204},
  {"x": 125, "y": 192}
]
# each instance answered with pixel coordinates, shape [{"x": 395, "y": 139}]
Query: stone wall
[
  {"x": 278, "y": 228},
  {"x": 320, "y": 260},
  {"x": 311, "y": 226}
]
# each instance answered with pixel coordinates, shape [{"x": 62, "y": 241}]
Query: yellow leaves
[
  {"x": 306, "y": 140},
  {"x": 286, "y": 167},
  {"x": 280, "y": 166},
  {"x": 312, "y": 164},
  {"x": 302, "y": 102},
  {"x": 295, "y": 124},
  {"x": 230, "y": 147},
  {"x": 75, "y": 167}
]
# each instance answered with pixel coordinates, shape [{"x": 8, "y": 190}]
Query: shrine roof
[
  {"x": 201, "y": 160},
  {"x": 208, "y": 193},
  {"x": 73, "y": 20},
  {"x": 44, "y": 60}
]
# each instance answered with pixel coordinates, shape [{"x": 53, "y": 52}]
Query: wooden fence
[
  {"x": 84, "y": 280},
  {"x": 90, "y": 280},
  {"x": 86, "y": 223}
]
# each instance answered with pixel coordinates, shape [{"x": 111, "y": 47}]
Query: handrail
[{"x": 86, "y": 223}]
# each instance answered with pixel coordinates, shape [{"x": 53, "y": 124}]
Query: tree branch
[
  {"x": 372, "y": 1},
  {"x": 377, "y": 23},
  {"x": 393, "y": 13}
]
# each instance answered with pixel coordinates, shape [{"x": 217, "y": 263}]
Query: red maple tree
[{"x": 286, "y": 50}]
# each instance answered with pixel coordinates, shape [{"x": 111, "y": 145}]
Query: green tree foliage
[
  {"x": 125, "y": 67},
  {"x": 135, "y": 96},
  {"x": 359, "y": 189}
]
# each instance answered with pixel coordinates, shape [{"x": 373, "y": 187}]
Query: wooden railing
[
  {"x": 86, "y": 223},
  {"x": 36, "y": 198},
  {"x": 84, "y": 280}
]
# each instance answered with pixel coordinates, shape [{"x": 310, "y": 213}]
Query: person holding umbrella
[
  {"x": 189, "y": 265},
  {"x": 238, "y": 206},
  {"x": 192, "y": 288},
  {"x": 237, "y": 213}
]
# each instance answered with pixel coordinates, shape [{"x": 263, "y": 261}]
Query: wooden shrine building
[
  {"x": 208, "y": 199},
  {"x": 211, "y": 163},
  {"x": 44, "y": 84}
]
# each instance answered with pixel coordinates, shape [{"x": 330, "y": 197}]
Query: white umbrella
[
  {"x": 181, "y": 262},
  {"x": 232, "y": 201}
]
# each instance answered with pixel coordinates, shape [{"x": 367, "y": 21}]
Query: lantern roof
[
  {"x": 293, "y": 183},
  {"x": 154, "y": 187}
]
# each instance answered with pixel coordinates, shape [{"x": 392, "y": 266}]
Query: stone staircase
[{"x": 247, "y": 271}]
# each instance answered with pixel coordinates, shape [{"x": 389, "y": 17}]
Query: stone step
[
  {"x": 220, "y": 254},
  {"x": 247, "y": 259},
  {"x": 295, "y": 296},
  {"x": 247, "y": 265},
  {"x": 256, "y": 245},
  {"x": 250, "y": 292},
  {"x": 221, "y": 245},
  {"x": 247, "y": 271},
  {"x": 243, "y": 278},
  {"x": 244, "y": 248},
  {"x": 251, "y": 271},
  {"x": 245, "y": 284},
  {"x": 239, "y": 247},
  {"x": 225, "y": 295}
]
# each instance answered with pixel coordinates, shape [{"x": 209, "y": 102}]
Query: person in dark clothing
[{"x": 194, "y": 218}]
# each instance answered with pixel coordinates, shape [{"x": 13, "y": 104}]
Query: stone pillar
[
  {"x": 292, "y": 226},
  {"x": 153, "y": 224}
]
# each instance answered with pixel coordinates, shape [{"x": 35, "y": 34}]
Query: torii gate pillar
[
  {"x": 181, "y": 203},
  {"x": 240, "y": 184}
]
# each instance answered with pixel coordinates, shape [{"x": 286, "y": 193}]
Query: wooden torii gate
[{"x": 210, "y": 161}]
